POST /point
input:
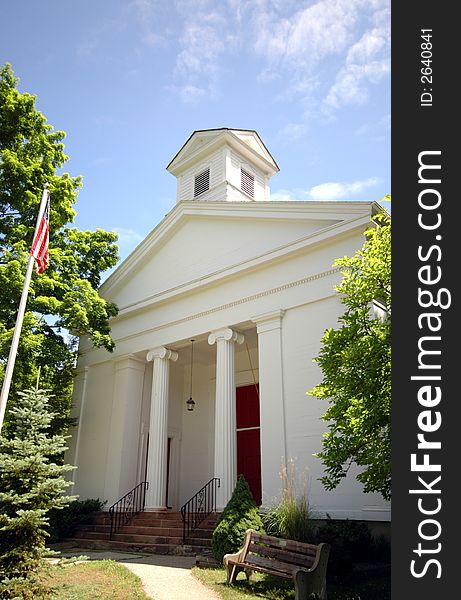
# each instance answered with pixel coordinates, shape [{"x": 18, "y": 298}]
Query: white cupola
[{"x": 230, "y": 165}]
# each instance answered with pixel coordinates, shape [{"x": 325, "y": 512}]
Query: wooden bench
[{"x": 305, "y": 564}]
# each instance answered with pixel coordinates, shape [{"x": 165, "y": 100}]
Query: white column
[
  {"x": 79, "y": 414},
  {"x": 158, "y": 434},
  {"x": 272, "y": 404},
  {"x": 225, "y": 462},
  {"x": 122, "y": 452}
]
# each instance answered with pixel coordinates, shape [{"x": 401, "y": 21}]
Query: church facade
[{"x": 221, "y": 312}]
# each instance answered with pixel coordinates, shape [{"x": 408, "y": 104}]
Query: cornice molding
[{"x": 226, "y": 306}]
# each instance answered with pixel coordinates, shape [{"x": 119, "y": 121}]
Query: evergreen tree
[
  {"x": 240, "y": 514},
  {"x": 64, "y": 298},
  {"x": 31, "y": 483}
]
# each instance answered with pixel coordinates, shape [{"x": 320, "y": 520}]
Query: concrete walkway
[{"x": 163, "y": 577}]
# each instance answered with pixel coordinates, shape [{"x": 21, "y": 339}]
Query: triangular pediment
[
  {"x": 196, "y": 142},
  {"x": 200, "y": 244}
]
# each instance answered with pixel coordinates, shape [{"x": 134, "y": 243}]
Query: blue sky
[{"x": 130, "y": 80}]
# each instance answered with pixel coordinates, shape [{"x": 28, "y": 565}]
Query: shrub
[
  {"x": 290, "y": 518},
  {"x": 381, "y": 550},
  {"x": 351, "y": 542},
  {"x": 64, "y": 522},
  {"x": 240, "y": 514}
]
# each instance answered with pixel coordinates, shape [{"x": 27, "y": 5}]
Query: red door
[{"x": 248, "y": 438}]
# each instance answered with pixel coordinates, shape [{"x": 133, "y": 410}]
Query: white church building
[{"x": 221, "y": 310}]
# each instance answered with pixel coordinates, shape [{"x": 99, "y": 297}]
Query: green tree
[
  {"x": 31, "y": 483},
  {"x": 64, "y": 298},
  {"x": 356, "y": 364}
]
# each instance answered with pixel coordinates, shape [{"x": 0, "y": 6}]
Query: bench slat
[
  {"x": 295, "y": 558},
  {"x": 293, "y": 545},
  {"x": 262, "y": 569},
  {"x": 271, "y": 564}
]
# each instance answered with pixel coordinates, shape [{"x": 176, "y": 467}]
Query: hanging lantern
[{"x": 190, "y": 403}]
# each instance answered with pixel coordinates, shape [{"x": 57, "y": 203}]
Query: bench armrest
[
  {"x": 313, "y": 580},
  {"x": 241, "y": 554}
]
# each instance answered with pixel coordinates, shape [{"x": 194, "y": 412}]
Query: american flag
[{"x": 39, "y": 248}]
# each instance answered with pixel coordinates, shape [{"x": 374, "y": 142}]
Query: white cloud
[
  {"x": 285, "y": 196},
  {"x": 341, "y": 190},
  {"x": 324, "y": 53},
  {"x": 344, "y": 44},
  {"x": 367, "y": 62},
  {"x": 293, "y": 131},
  {"x": 207, "y": 36},
  {"x": 148, "y": 13},
  {"x": 323, "y": 29},
  {"x": 331, "y": 191},
  {"x": 190, "y": 94},
  {"x": 368, "y": 47},
  {"x": 202, "y": 45},
  {"x": 305, "y": 36}
]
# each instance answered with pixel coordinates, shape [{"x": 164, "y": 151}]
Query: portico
[{"x": 215, "y": 412}]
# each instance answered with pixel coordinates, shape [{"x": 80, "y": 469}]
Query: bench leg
[{"x": 232, "y": 572}]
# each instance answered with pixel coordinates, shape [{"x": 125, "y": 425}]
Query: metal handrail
[
  {"x": 132, "y": 503},
  {"x": 197, "y": 509}
]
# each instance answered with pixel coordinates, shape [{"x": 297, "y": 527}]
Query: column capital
[
  {"x": 161, "y": 352},
  {"x": 269, "y": 321},
  {"x": 227, "y": 334}
]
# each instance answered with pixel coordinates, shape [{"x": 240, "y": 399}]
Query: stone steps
[
  {"x": 139, "y": 530},
  {"x": 153, "y": 532},
  {"x": 106, "y": 544}
]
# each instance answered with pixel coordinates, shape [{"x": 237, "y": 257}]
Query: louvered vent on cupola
[
  {"x": 247, "y": 182},
  {"x": 202, "y": 182}
]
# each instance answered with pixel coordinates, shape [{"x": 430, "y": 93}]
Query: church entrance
[{"x": 248, "y": 438}]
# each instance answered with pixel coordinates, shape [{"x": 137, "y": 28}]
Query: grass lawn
[
  {"x": 101, "y": 579},
  {"x": 274, "y": 588},
  {"x": 108, "y": 580}
]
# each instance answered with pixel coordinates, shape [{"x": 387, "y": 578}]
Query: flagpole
[{"x": 19, "y": 319}]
